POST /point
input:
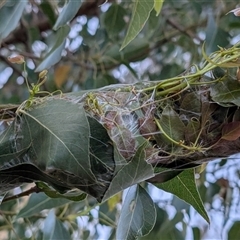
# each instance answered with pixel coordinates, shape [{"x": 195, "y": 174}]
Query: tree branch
[{"x": 34, "y": 189}]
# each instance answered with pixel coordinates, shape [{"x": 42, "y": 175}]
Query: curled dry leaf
[
  {"x": 19, "y": 59},
  {"x": 231, "y": 131}
]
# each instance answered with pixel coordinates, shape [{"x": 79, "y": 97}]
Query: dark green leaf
[
  {"x": 136, "y": 219},
  {"x": 140, "y": 14},
  {"x": 196, "y": 233},
  {"x": 38, "y": 202},
  {"x": 10, "y": 16},
  {"x": 234, "y": 231},
  {"x": 48, "y": 11},
  {"x": 136, "y": 171},
  {"x": 55, "y": 50},
  {"x": 68, "y": 12},
  {"x": 184, "y": 187},
  {"x": 114, "y": 19}
]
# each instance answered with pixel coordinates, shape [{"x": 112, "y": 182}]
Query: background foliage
[{"x": 79, "y": 43}]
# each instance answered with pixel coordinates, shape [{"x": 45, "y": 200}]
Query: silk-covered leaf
[
  {"x": 138, "y": 214},
  {"x": 226, "y": 92},
  {"x": 140, "y": 13},
  {"x": 77, "y": 149}
]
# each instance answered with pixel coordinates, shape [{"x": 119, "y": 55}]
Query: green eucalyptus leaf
[
  {"x": 196, "y": 233},
  {"x": 54, "y": 228},
  {"x": 136, "y": 220},
  {"x": 68, "y": 12},
  {"x": 184, "y": 187},
  {"x": 55, "y": 49},
  {"x": 140, "y": 14},
  {"x": 48, "y": 10},
  {"x": 10, "y": 17},
  {"x": 38, "y": 202},
  {"x": 114, "y": 19}
]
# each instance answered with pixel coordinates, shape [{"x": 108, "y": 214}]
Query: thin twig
[{"x": 34, "y": 189}]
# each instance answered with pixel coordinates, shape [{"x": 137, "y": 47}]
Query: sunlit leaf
[
  {"x": 140, "y": 14},
  {"x": 68, "y": 12},
  {"x": 139, "y": 218},
  {"x": 184, "y": 187},
  {"x": 158, "y": 6}
]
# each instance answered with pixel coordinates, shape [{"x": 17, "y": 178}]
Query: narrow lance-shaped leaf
[
  {"x": 184, "y": 187},
  {"x": 54, "y": 54},
  {"x": 140, "y": 14},
  {"x": 38, "y": 202},
  {"x": 116, "y": 13},
  {"x": 10, "y": 16},
  {"x": 68, "y": 12},
  {"x": 138, "y": 214},
  {"x": 54, "y": 228}
]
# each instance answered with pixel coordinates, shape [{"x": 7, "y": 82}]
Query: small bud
[
  {"x": 238, "y": 74},
  {"x": 19, "y": 59},
  {"x": 42, "y": 74}
]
